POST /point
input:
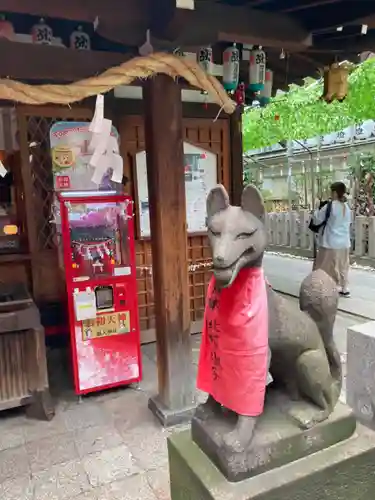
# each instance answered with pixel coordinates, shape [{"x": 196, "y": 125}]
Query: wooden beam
[
  {"x": 258, "y": 3},
  {"x": 127, "y": 22},
  {"x": 208, "y": 23},
  {"x": 77, "y": 10},
  {"x": 213, "y": 22},
  {"x": 236, "y": 156},
  {"x": 306, "y": 6},
  {"x": 128, "y": 17},
  {"x": 23, "y": 61},
  {"x": 348, "y": 46},
  {"x": 168, "y": 18},
  {"x": 166, "y": 191},
  {"x": 331, "y": 16}
]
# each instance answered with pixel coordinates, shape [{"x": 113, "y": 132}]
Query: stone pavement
[
  {"x": 286, "y": 273},
  {"x": 106, "y": 447}
]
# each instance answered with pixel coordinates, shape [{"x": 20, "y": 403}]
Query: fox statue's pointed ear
[
  {"x": 217, "y": 200},
  {"x": 252, "y": 201}
]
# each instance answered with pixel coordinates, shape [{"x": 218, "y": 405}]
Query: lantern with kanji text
[
  {"x": 257, "y": 70},
  {"x": 41, "y": 33},
  {"x": 231, "y": 68},
  {"x": 79, "y": 40}
]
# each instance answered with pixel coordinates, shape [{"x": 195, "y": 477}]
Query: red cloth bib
[{"x": 233, "y": 358}]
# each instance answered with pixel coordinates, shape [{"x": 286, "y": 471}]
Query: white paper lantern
[
  {"x": 364, "y": 130},
  {"x": 344, "y": 136},
  {"x": 79, "y": 40},
  {"x": 41, "y": 33},
  {"x": 257, "y": 70},
  {"x": 231, "y": 68},
  {"x": 266, "y": 92},
  {"x": 205, "y": 60}
]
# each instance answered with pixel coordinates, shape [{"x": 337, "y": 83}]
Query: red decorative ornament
[
  {"x": 239, "y": 95},
  {"x": 6, "y": 29}
]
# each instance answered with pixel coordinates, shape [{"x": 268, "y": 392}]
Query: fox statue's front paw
[
  {"x": 239, "y": 439},
  {"x": 232, "y": 442},
  {"x": 207, "y": 409}
]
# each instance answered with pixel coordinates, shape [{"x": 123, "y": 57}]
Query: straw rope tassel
[{"x": 139, "y": 67}]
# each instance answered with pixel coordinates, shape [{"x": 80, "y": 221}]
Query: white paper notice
[
  {"x": 112, "y": 145},
  {"x": 96, "y": 124},
  {"x": 99, "y": 171},
  {"x": 84, "y": 305},
  {"x": 117, "y": 166},
  {"x": 100, "y": 139},
  {"x": 3, "y": 170}
]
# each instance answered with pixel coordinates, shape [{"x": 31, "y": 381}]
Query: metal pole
[
  {"x": 313, "y": 186},
  {"x": 289, "y": 159}
]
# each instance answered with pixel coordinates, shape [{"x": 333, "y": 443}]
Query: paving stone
[
  {"x": 83, "y": 415},
  {"x": 132, "y": 488},
  {"x": 61, "y": 482},
  {"x": 88, "y": 495},
  {"x": 110, "y": 465},
  {"x": 130, "y": 411},
  {"x": 95, "y": 439},
  {"x": 51, "y": 451},
  {"x": 160, "y": 483},
  {"x": 38, "y": 429},
  {"x": 17, "y": 489},
  {"x": 11, "y": 437},
  {"x": 148, "y": 383},
  {"x": 13, "y": 463},
  {"x": 148, "y": 444}
]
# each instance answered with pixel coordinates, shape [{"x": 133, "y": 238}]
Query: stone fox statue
[{"x": 245, "y": 318}]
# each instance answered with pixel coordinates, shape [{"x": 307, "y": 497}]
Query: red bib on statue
[{"x": 233, "y": 359}]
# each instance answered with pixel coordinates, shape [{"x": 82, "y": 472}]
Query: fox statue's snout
[{"x": 237, "y": 234}]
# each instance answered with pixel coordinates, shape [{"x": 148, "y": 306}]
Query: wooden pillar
[
  {"x": 166, "y": 189},
  {"x": 236, "y": 156}
]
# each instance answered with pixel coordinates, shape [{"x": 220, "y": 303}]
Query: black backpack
[{"x": 315, "y": 228}]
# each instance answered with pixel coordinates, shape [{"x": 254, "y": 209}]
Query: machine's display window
[
  {"x": 99, "y": 238},
  {"x": 104, "y": 297}
]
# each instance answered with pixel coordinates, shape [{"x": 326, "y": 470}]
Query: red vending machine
[{"x": 99, "y": 264}]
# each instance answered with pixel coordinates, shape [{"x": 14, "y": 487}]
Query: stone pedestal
[
  {"x": 342, "y": 471},
  {"x": 277, "y": 441},
  {"x": 360, "y": 380}
]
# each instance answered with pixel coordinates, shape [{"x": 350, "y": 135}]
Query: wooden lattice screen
[{"x": 34, "y": 126}]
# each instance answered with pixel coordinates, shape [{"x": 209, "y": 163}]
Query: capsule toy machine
[{"x": 95, "y": 231}]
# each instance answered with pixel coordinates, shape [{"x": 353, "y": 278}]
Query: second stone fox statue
[{"x": 252, "y": 335}]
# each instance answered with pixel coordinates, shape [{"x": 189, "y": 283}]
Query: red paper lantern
[{"x": 6, "y": 29}]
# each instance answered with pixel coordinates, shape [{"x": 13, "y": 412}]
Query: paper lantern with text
[
  {"x": 231, "y": 68},
  {"x": 6, "y": 29}
]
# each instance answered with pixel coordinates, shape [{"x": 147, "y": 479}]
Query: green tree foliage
[{"x": 301, "y": 113}]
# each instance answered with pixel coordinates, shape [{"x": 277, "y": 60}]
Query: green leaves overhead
[{"x": 301, "y": 113}]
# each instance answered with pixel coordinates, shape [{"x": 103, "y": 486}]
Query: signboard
[
  {"x": 71, "y": 153},
  {"x": 200, "y": 178},
  {"x": 106, "y": 325}
]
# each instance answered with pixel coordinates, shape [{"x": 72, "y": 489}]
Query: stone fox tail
[{"x": 319, "y": 299}]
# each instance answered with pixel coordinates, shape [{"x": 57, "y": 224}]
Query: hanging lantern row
[
  {"x": 42, "y": 34},
  {"x": 259, "y": 85}
]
